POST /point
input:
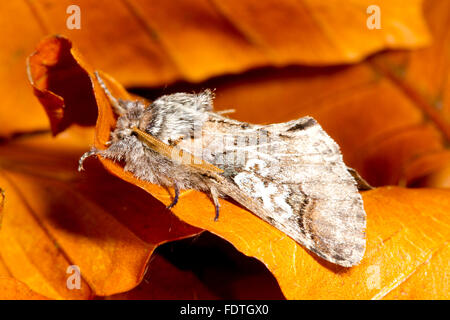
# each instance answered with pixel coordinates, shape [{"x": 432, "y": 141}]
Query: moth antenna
[
  {"x": 215, "y": 198},
  {"x": 118, "y": 109},
  {"x": 86, "y": 155},
  {"x": 175, "y": 199}
]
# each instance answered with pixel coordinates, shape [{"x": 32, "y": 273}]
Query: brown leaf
[
  {"x": 50, "y": 67},
  {"x": 20, "y": 33},
  {"x": 55, "y": 217},
  {"x": 195, "y": 40},
  {"x": 424, "y": 76},
  {"x": 2, "y": 203},
  {"x": 397, "y": 243},
  {"x": 210, "y": 269},
  {"x": 424, "y": 279},
  {"x": 164, "y": 281},
  {"x": 11, "y": 289},
  {"x": 143, "y": 44}
]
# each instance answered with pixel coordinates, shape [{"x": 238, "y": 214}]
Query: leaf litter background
[{"x": 383, "y": 95}]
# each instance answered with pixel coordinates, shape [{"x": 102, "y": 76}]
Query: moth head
[
  {"x": 130, "y": 113},
  {"x": 132, "y": 117},
  {"x": 146, "y": 118}
]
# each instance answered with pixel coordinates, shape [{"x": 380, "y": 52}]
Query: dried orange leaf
[
  {"x": 172, "y": 284},
  {"x": 32, "y": 255},
  {"x": 12, "y": 289},
  {"x": 194, "y": 40},
  {"x": 55, "y": 217},
  {"x": 142, "y": 43},
  {"x": 405, "y": 227},
  {"x": 20, "y": 33},
  {"x": 424, "y": 76},
  {"x": 50, "y": 68},
  {"x": 2, "y": 203}
]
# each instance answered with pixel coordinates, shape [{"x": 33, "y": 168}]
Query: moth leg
[
  {"x": 175, "y": 199},
  {"x": 215, "y": 198},
  {"x": 86, "y": 155}
]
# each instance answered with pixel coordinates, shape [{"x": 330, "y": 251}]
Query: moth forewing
[{"x": 293, "y": 177}]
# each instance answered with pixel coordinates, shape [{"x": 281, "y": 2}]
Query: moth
[{"x": 290, "y": 174}]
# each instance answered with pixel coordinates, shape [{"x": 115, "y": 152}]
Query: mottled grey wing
[{"x": 292, "y": 175}]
